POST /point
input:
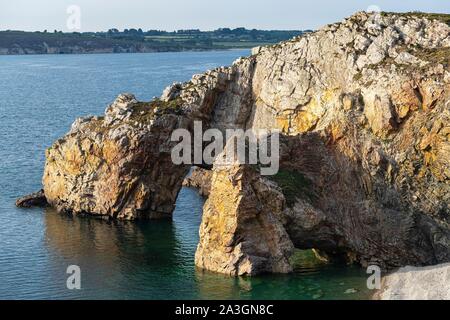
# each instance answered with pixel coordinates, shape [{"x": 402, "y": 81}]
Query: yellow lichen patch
[
  {"x": 54, "y": 183},
  {"x": 73, "y": 160},
  {"x": 436, "y": 150},
  {"x": 110, "y": 151},
  {"x": 440, "y": 165},
  {"x": 403, "y": 111},
  {"x": 223, "y": 224},
  {"x": 309, "y": 115},
  {"x": 93, "y": 161},
  {"x": 431, "y": 92},
  {"x": 336, "y": 131},
  {"x": 283, "y": 123},
  {"x": 329, "y": 96},
  {"x": 429, "y": 157},
  {"x": 91, "y": 154},
  {"x": 304, "y": 120},
  {"x": 78, "y": 157},
  {"x": 405, "y": 100},
  {"x": 445, "y": 132},
  {"x": 347, "y": 103},
  {"x": 306, "y": 117}
]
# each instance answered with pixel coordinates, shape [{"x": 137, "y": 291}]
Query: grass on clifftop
[
  {"x": 293, "y": 185},
  {"x": 431, "y": 55},
  {"x": 443, "y": 17},
  {"x": 437, "y": 55},
  {"x": 144, "y": 111}
]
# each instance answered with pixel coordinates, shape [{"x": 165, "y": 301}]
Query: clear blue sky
[{"x": 203, "y": 14}]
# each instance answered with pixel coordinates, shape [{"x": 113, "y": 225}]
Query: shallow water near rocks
[{"x": 40, "y": 97}]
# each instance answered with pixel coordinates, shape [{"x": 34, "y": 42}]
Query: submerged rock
[
  {"x": 36, "y": 199},
  {"x": 350, "y": 291},
  {"x": 365, "y": 148}
]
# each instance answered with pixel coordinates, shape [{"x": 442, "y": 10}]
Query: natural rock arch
[{"x": 361, "y": 122}]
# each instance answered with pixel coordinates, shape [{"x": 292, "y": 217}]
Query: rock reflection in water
[
  {"x": 214, "y": 286},
  {"x": 113, "y": 255},
  {"x": 155, "y": 260}
]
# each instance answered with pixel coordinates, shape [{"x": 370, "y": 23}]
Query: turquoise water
[{"x": 40, "y": 96}]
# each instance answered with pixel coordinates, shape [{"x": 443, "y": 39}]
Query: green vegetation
[
  {"x": 430, "y": 16},
  {"x": 144, "y": 112},
  {"x": 436, "y": 55},
  {"x": 132, "y": 40},
  {"x": 96, "y": 124},
  {"x": 172, "y": 106},
  {"x": 357, "y": 76},
  {"x": 294, "y": 185},
  {"x": 302, "y": 259}
]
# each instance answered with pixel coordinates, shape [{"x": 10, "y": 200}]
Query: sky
[{"x": 101, "y": 15}]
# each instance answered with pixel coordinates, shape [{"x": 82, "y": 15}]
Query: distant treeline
[
  {"x": 137, "y": 40},
  {"x": 224, "y": 34}
]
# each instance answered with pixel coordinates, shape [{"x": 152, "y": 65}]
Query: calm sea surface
[{"x": 40, "y": 96}]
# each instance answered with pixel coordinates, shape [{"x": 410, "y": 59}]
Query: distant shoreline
[
  {"x": 137, "y": 41},
  {"x": 106, "y": 53}
]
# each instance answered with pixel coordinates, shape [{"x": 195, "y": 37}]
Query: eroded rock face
[
  {"x": 355, "y": 209},
  {"x": 363, "y": 107},
  {"x": 242, "y": 231},
  {"x": 118, "y": 165},
  {"x": 199, "y": 179}
]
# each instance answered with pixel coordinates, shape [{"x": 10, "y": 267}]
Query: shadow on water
[
  {"x": 117, "y": 259},
  {"x": 141, "y": 259},
  {"x": 310, "y": 281},
  {"x": 111, "y": 242},
  {"x": 155, "y": 260}
]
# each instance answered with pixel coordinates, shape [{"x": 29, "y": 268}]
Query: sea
[{"x": 40, "y": 97}]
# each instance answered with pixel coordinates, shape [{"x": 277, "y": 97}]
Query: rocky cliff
[
  {"x": 363, "y": 110},
  {"x": 200, "y": 179}
]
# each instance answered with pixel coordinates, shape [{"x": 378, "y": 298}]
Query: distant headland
[{"x": 137, "y": 41}]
